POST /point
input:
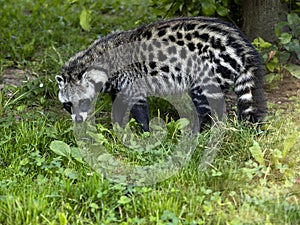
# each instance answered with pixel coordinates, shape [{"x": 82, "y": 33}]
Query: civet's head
[{"x": 78, "y": 92}]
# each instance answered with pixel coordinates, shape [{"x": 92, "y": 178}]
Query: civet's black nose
[{"x": 78, "y": 119}]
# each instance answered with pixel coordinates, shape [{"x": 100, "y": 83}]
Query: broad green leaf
[
  {"x": 273, "y": 65},
  {"x": 124, "y": 200},
  {"x": 182, "y": 123},
  {"x": 294, "y": 70},
  {"x": 85, "y": 19},
  {"x": 285, "y": 38},
  {"x": 288, "y": 143},
  {"x": 60, "y": 148},
  {"x": 76, "y": 154},
  {"x": 293, "y": 18},
  {"x": 20, "y": 108},
  {"x": 260, "y": 43},
  {"x": 283, "y": 57},
  {"x": 222, "y": 11},
  {"x": 105, "y": 157},
  {"x": 257, "y": 153},
  {"x": 208, "y": 7},
  {"x": 279, "y": 26},
  {"x": 225, "y": 2},
  {"x": 98, "y": 137},
  {"x": 94, "y": 206},
  {"x": 293, "y": 46}
]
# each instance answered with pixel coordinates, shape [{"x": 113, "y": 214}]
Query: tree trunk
[{"x": 260, "y": 18}]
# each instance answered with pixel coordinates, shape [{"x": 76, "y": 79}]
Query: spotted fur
[{"x": 204, "y": 56}]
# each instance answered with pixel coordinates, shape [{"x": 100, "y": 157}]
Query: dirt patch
[
  {"x": 285, "y": 94},
  {"x": 14, "y": 77}
]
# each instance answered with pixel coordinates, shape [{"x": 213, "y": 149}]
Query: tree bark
[{"x": 260, "y": 18}]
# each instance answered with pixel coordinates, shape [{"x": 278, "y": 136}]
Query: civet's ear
[{"x": 61, "y": 81}]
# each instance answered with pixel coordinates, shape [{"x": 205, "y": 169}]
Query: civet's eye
[{"x": 68, "y": 106}]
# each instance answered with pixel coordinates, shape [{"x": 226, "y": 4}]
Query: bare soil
[
  {"x": 14, "y": 77},
  {"x": 285, "y": 94}
]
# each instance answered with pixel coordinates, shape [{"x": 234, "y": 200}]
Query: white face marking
[
  {"x": 84, "y": 115},
  {"x": 61, "y": 97},
  {"x": 73, "y": 117}
]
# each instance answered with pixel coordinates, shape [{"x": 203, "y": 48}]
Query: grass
[{"x": 253, "y": 180}]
